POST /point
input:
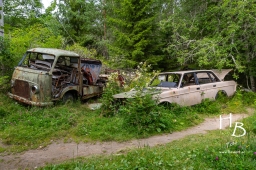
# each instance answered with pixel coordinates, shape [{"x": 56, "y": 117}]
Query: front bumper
[{"x": 26, "y": 101}]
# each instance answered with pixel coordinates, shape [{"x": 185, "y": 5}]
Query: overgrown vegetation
[
  {"x": 23, "y": 127},
  {"x": 168, "y": 34},
  {"x": 214, "y": 150},
  {"x": 109, "y": 105}
]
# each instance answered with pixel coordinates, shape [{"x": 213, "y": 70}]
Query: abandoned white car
[{"x": 187, "y": 88}]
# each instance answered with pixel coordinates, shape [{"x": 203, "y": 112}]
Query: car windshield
[
  {"x": 166, "y": 80},
  {"x": 37, "y": 60}
]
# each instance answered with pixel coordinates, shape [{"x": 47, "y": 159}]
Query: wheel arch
[
  {"x": 223, "y": 92},
  {"x": 71, "y": 90}
]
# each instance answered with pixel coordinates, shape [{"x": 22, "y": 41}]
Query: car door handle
[
  {"x": 198, "y": 88},
  {"x": 214, "y": 85}
]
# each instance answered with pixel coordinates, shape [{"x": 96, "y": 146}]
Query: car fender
[{"x": 69, "y": 88}]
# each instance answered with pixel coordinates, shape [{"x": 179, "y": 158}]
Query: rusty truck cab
[{"x": 45, "y": 75}]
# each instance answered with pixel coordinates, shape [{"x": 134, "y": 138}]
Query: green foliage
[
  {"x": 6, "y": 59},
  {"x": 24, "y": 127},
  {"x": 5, "y": 48},
  {"x": 33, "y": 36},
  {"x": 144, "y": 115},
  {"x": 82, "y": 51},
  {"x": 138, "y": 82},
  {"x": 80, "y": 21},
  {"x": 212, "y": 34},
  {"x": 20, "y": 14},
  {"x": 135, "y": 32},
  {"x": 141, "y": 79},
  {"x": 6, "y": 64},
  {"x": 109, "y": 105},
  {"x": 214, "y": 150},
  {"x": 4, "y": 83},
  {"x": 141, "y": 114},
  {"x": 208, "y": 107}
]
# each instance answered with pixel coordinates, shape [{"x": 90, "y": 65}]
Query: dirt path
[{"x": 57, "y": 152}]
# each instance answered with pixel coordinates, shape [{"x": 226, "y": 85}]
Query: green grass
[
  {"x": 23, "y": 128},
  {"x": 214, "y": 150}
]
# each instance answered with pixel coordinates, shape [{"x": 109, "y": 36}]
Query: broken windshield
[{"x": 37, "y": 61}]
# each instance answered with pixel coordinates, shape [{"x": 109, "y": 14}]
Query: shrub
[
  {"x": 144, "y": 115},
  {"x": 141, "y": 78},
  {"x": 6, "y": 64},
  {"x": 82, "y": 51},
  {"x": 109, "y": 105},
  {"x": 208, "y": 107}
]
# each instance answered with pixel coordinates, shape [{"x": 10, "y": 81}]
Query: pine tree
[
  {"x": 80, "y": 21},
  {"x": 134, "y": 30}
]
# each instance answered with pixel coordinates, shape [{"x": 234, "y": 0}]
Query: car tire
[
  {"x": 68, "y": 98},
  {"x": 168, "y": 105}
]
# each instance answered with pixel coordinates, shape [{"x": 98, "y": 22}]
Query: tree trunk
[
  {"x": 252, "y": 82},
  {"x": 1, "y": 18},
  {"x": 249, "y": 59}
]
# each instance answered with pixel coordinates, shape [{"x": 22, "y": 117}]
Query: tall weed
[
  {"x": 109, "y": 104},
  {"x": 138, "y": 82},
  {"x": 143, "y": 115},
  {"x": 142, "y": 76}
]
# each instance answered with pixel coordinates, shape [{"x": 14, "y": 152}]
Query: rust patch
[
  {"x": 34, "y": 98},
  {"x": 55, "y": 76},
  {"x": 21, "y": 88}
]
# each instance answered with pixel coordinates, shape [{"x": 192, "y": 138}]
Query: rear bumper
[{"x": 26, "y": 101}]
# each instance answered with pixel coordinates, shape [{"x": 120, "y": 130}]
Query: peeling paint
[
  {"x": 185, "y": 87},
  {"x": 54, "y": 72}
]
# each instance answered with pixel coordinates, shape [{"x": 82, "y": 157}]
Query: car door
[
  {"x": 208, "y": 84},
  {"x": 190, "y": 90}
]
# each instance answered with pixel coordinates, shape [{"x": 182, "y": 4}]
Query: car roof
[
  {"x": 219, "y": 73},
  {"x": 54, "y": 51},
  {"x": 185, "y": 71}
]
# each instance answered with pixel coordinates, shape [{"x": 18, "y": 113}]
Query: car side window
[
  {"x": 188, "y": 80},
  {"x": 204, "y": 78},
  {"x": 213, "y": 77}
]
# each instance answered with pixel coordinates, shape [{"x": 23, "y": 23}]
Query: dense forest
[{"x": 168, "y": 35}]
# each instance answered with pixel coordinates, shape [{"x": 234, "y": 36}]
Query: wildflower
[
  {"x": 217, "y": 158},
  {"x": 254, "y": 153}
]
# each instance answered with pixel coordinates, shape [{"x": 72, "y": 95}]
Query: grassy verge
[
  {"x": 214, "y": 150},
  {"x": 23, "y": 128}
]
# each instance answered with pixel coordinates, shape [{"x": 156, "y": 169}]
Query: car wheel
[
  {"x": 68, "y": 98},
  {"x": 220, "y": 94},
  {"x": 168, "y": 105}
]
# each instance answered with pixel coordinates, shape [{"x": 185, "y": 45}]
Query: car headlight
[
  {"x": 12, "y": 83},
  {"x": 34, "y": 89}
]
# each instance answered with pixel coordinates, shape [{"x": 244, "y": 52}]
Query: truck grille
[{"x": 21, "y": 88}]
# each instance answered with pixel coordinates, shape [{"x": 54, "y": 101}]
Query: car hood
[
  {"x": 221, "y": 73},
  {"x": 129, "y": 94},
  {"x": 133, "y": 93}
]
